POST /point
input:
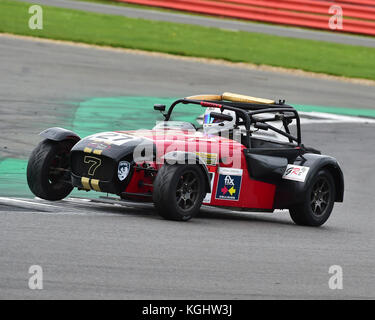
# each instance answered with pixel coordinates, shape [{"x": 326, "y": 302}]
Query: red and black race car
[{"x": 247, "y": 155}]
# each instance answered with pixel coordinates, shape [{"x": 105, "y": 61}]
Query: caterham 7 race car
[{"x": 246, "y": 154}]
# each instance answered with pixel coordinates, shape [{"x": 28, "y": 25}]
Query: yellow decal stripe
[
  {"x": 98, "y": 152},
  {"x": 87, "y": 150},
  {"x": 86, "y": 183},
  {"x": 95, "y": 184}
]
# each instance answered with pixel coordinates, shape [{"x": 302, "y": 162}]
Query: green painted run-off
[{"x": 123, "y": 113}]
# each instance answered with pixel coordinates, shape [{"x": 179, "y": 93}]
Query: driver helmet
[{"x": 218, "y": 126}]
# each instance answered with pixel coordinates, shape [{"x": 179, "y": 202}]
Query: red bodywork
[{"x": 252, "y": 194}]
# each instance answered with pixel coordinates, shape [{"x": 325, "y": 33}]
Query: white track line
[
  {"x": 332, "y": 118},
  {"x": 47, "y": 209},
  {"x": 28, "y": 204}
]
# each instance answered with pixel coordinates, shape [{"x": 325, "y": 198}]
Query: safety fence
[{"x": 341, "y": 16}]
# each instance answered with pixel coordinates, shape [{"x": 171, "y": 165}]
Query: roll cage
[{"x": 248, "y": 111}]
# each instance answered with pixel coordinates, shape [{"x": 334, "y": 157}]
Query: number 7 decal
[{"x": 95, "y": 164}]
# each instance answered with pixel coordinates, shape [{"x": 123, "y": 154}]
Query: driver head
[{"x": 218, "y": 126}]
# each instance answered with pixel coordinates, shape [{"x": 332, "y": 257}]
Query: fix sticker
[
  {"x": 207, "y": 198},
  {"x": 296, "y": 173},
  {"x": 229, "y": 184}
]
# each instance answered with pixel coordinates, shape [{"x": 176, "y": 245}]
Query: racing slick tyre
[
  {"x": 318, "y": 201},
  {"x": 48, "y": 170},
  {"x": 179, "y": 191}
]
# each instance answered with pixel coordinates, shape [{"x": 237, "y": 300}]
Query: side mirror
[
  {"x": 159, "y": 107},
  {"x": 221, "y": 116}
]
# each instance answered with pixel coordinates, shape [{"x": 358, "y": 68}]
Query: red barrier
[
  {"x": 226, "y": 9},
  {"x": 360, "y": 2},
  {"x": 319, "y": 7}
]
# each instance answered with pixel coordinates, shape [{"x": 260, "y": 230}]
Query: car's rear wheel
[
  {"x": 318, "y": 201},
  {"x": 179, "y": 191},
  {"x": 48, "y": 170}
]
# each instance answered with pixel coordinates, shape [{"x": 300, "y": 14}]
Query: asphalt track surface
[
  {"x": 211, "y": 22},
  {"x": 93, "y": 250}
]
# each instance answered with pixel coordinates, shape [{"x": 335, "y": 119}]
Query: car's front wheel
[
  {"x": 179, "y": 191},
  {"x": 48, "y": 170},
  {"x": 318, "y": 201}
]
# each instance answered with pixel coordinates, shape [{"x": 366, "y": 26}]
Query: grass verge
[{"x": 187, "y": 40}]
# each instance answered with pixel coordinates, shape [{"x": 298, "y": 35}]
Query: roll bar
[{"x": 248, "y": 111}]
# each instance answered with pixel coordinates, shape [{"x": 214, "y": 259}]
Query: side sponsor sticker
[
  {"x": 123, "y": 170},
  {"x": 296, "y": 173},
  {"x": 209, "y": 159},
  {"x": 229, "y": 184}
]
